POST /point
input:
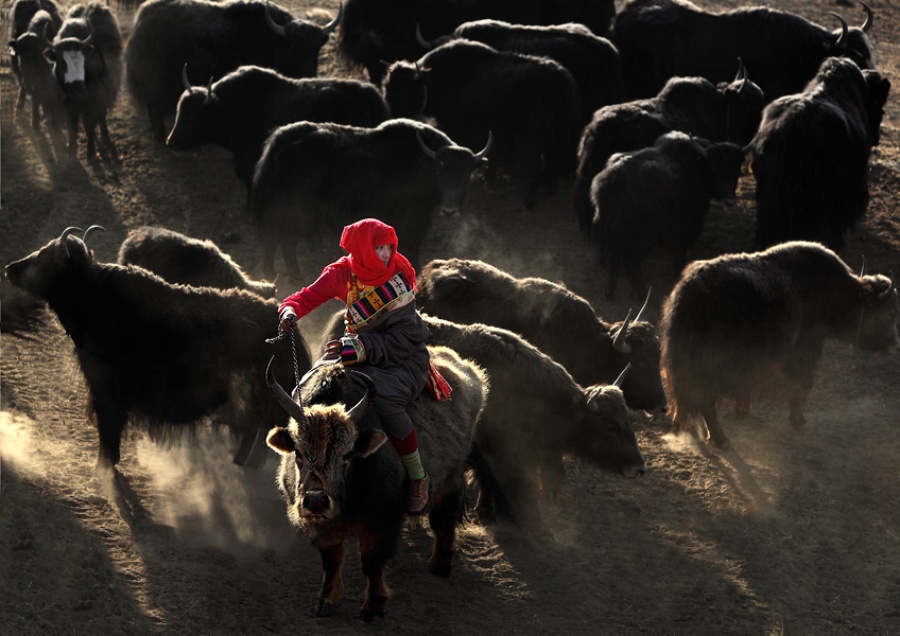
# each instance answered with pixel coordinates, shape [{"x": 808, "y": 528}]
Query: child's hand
[{"x": 287, "y": 319}]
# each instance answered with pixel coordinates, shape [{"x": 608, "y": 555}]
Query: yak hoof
[
  {"x": 322, "y": 609},
  {"x": 368, "y": 615},
  {"x": 440, "y": 569}
]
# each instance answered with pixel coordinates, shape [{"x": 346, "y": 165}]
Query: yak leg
[
  {"x": 289, "y": 253},
  {"x": 799, "y": 369},
  {"x": 35, "y": 113},
  {"x": 708, "y": 410},
  {"x": 332, "y": 591},
  {"x": 110, "y": 419},
  {"x": 635, "y": 274},
  {"x": 444, "y": 515},
  {"x": 518, "y": 485},
  {"x": 109, "y": 150},
  {"x": 374, "y": 550},
  {"x": 73, "y": 132}
]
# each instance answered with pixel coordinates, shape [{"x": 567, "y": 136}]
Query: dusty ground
[{"x": 790, "y": 533}]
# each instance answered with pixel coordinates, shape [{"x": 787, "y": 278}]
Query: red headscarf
[{"x": 360, "y": 239}]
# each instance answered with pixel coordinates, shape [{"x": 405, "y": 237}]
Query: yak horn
[
  {"x": 425, "y": 44},
  {"x": 884, "y": 294},
  {"x": 862, "y": 270},
  {"x": 870, "y": 17},
  {"x": 359, "y": 409},
  {"x": 293, "y": 409},
  {"x": 184, "y": 78},
  {"x": 276, "y": 28},
  {"x": 428, "y": 151},
  {"x": 63, "y": 239},
  {"x": 91, "y": 229},
  {"x": 842, "y": 39},
  {"x": 619, "y": 343},
  {"x": 640, "y": 314},
  {"x": 483, "y": 152},
  {"x": 333, "y": 25},
  {"x": 621, "y": 379}
]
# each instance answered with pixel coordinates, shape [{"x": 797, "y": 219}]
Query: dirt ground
[{"x": 791, "y": 533}]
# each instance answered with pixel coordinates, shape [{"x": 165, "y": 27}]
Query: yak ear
[
  {"x": 279, "y": 439},
  {"x": 369, "y": 441}
]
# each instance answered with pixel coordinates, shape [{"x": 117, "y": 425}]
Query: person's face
[{"x": 384, "y": 253}]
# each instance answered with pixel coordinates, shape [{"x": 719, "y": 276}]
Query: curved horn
[
  {"x": 425, "y": 44},
  {"x": 698, "y": 147},
  {"x": 359, "y": 409},
  {"x": 329, "y": 28},
  {"x": 842, "y": 39},
  {"x": 64, "y": 237},
  {"x": 293, "y": 409},
  {"x": 862, "y": 270},
  {"x": 621, "y": 379},
  {"x": 619, "y": 343},
  {"x": 640, "y": 314},
  {"x": 483, "y": 152},
  {"x": 428, "y": 151},
  {"x": 185, "y": 80},
  {"x": 276, "y": 28},
  {"x": 742, "y": 76},
  {"x": 870, "y": 17},
  {"x": 91, "y": 229},
  {"x": 887, "y": 291}
]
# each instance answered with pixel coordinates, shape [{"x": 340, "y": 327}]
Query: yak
[
  {"x": 377, "y": 31},
  {"x": 213, "y": 38},
  {"x": 592, "y": 60},
  {"x": 21, "y": 13},
  {"x": 339, "y": 482},
  {"x": 557, "y": 321},
  {"x": 659, "y": 39},
  {"x": 162, "y": 355},
  {"x": 734, "y": 321},
  {"x": 87, "y": 63},
  {"x": 313, "y": 176},
  {"x": 811, "y": 156},
  {"x": 531, "y": 106},
  {"x": 693, "y": 105},
  {"x": 534, "y": 416},
  {"x": 240, "y": 110},
  {"x": 184, "y": 260},
  {"x": 631, "y": 219},
  {"x": 35, "y": 71}
]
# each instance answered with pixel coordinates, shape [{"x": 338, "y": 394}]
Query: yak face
[
  {"x": 454, "y": 166},
  {"x": 196, "y": 118},
  {"x": 744, "y": 104},
  {"x": 43, "y": 270},
  {"x": 296, "y": 46},
  {"x": 878, "y": 315},
  {"x": 405, "y": 90},
  {"x": 316, "y": 458},
  {"x": 607, "y": 439},
  {"x": 726, "y": 161},
  {"x": 878, "y": 88},
  {"x": 643, "y": 384},
  {"x": 69, "y": 57}
]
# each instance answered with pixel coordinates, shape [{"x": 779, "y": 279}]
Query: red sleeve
[{"x": 331, "y": 283}]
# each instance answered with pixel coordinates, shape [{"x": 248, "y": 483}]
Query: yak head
[
  {"x": 47, "y": 269},
  {"x": 744, "y": 103},
  {"x": 69, "y": 56},
  {"x": 405, "y": 89},
  {"x": 454, "y": 166},
  {"x": 635, "y": 344},
  {"x": 852, "y": 42},
  {"x": 317, "y": 451},
  {"x": 196, "y": 117},
  {"x": 877, "y": 330},
  {"x": 295, "y": 45},
  {"x": 606, "y": 437}
]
